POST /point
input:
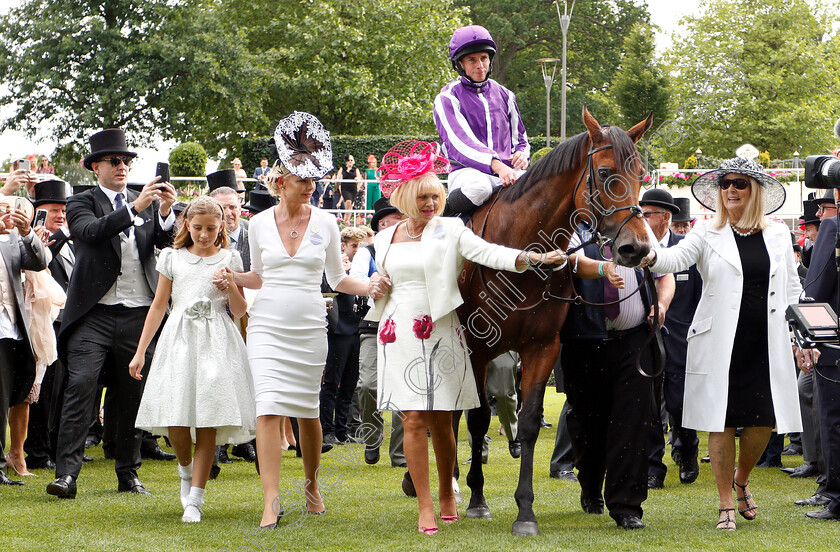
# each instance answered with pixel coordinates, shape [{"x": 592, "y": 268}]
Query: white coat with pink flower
[{"x": 422, "y": 356}]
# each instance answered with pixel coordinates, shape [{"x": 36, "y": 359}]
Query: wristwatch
[{"x": 132, "y": 209}]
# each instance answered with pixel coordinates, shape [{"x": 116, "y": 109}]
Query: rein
[{"x": 596, "y": 238}]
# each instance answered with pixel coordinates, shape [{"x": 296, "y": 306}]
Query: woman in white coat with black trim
[
  {"x": 424, "y": 371},
  {"x": 739, "y": 367}
]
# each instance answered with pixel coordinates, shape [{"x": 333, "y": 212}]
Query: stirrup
[
  {"x": 726, "y": 521},
  {"x": 745, "y": 500}
]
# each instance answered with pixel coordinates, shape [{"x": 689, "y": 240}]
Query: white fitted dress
[
  {"x": 287, "y": 328},
  {"x": 199, "y": 376}
]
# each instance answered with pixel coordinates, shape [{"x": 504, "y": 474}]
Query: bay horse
[{"x": 592, "y": 178}]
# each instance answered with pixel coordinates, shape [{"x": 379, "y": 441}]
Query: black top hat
[
  {"x": 218, "y": 179},
  {"x": 382, "y": 208},
  {"x": 828, "y": 197},
  {"x": 809, "y": 212},
  {"x": 259, "y": 201},
  {"x": 178, "y": 207},
  {"x": 80, "y": 188},
  {"x": 684, "y": 205},
  {"x": 659, "y": 198},
  {"x": 50, "y": 191},
  {"x": 104, "y": 142},
  {"x": 135, "y": 186}
]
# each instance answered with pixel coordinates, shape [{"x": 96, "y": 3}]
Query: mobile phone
[
  {"x": 40, "y": 218},
  {"x": 163, "y": 172},
  {"x": 23, "y": 164}
]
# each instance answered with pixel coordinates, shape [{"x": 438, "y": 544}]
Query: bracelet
[{"x": 601, "y": 267}]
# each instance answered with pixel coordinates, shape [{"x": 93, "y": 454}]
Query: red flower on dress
[
  {"x": 423, "y": 327},
  {"x": 387, "y": 333}
]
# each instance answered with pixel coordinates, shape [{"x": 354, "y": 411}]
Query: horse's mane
[{"x": 568, "y": 155}]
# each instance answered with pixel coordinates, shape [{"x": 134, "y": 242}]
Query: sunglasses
[
  {"x": 739, "y": 183},
  {"x": 115, "y": 161},
  {"x": 651, "y": 213}
]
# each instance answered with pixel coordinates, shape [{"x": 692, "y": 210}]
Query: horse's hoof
[
  {"x": 479, "y": 512},
  {"x": 525, "y": 529}
]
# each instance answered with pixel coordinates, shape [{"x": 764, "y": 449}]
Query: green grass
[{"x": 368, "y": 511}]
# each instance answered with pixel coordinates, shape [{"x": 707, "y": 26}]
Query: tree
[
  {"x": 188, "y": 159},
  {"x": 639, "y": 85},
  {"x": 763, "y": 72},
  {"x": 153, "y": 67},
  {"x": 526, "y": 30}
]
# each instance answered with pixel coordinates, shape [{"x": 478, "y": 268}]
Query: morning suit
[
  {"x": 821, "y": 286},
  {"x": 17, "y": 360},
  {"x": 610, "y": 403},
  {"x": 100, "y": 339},
  {"x": 711, "y": 335}
]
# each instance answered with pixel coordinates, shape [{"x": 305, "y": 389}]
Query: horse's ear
[
  {"x": 639, "y": 129},
  {"x": 592, "y": 124}
]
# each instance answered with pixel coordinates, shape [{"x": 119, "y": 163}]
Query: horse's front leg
[
  {"x": 537, "y": 364},
  {"x": 478, "y": 421}
]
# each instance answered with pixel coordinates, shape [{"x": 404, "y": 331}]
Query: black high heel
[
  {"x": 280, "y": 514},
  {"x": 745, "y": 500}
]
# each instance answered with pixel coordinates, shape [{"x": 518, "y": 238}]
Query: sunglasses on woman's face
[{"x": 739, "y": 183}]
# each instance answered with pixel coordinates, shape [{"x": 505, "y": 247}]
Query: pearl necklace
[
  {"x": 746, "y": 234},
  {"x": 407, "y": 233}
]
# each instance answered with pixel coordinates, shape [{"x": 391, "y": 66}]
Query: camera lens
[{"x": 822, "y": 171}]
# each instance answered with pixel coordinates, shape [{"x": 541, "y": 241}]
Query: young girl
[{"x": 199, "y": 386}]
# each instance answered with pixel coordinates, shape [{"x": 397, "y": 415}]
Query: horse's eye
[{"x": 603, "y": 174}]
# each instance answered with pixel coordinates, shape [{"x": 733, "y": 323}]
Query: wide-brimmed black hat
[
  {"x": 303, "y": 145},
  {"x": 50, "y": 191},
  {"x": 382, "y": 208},
  {"x": 659, "y": 198},
  {"x": 705, "y": 188},
  {"x": 684, "y": 214},
  {"x": 259, "y": 201},
  {"x": 106, "y": 142},
  {"x": 809, "y": 212},
  {"x": 219, "y": 179},
  {"x": 81, "y": 188}
]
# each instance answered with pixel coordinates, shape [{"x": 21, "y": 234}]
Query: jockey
[{"x": 478, "y": 121}]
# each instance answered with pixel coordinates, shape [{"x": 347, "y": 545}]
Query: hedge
[
  {"x": 358, "y": 146},
  {"x": 188, "y": 159}
]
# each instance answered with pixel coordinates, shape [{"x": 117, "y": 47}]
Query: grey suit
[
  {"x": 17, "y": 361},
  {"x": 243, "y": 247}
]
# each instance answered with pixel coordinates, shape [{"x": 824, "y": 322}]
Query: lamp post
[
  {"x": 796, "y": 160},
  {"x": 548, "y": 79},
  {"x": 565, "y": 18}
]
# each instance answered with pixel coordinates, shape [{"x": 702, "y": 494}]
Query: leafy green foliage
[
  {"x": 640, "y": 86},
  {"x": 188, "y": 159}
]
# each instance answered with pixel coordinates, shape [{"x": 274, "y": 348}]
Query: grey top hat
[
  {"x": 705, "y": 188},
  {"x": 106, "y": 142},
  {"x": 659, "y": 198},
  {"x": 684, "y": 215}
]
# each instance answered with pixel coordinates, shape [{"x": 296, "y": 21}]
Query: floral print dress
[{"x": 422, "y": 364}]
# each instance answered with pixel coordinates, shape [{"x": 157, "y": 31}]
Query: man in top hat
[
  {"x": 259, "y": 201},
  {"x": 659, "y": 207},
  {"x": 681, "y": 222},
  {"x": 20, "y": 250},
  {"x": 385, "y": 215},
  {"x": 810, "y": 226},
  {"x": 826, "y": 207},
  {"x": 115, "y": 232}
]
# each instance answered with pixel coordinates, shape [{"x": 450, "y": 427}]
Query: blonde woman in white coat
[
  {"x": 424, "y": 372},
  {"x": 739, "y": 368}
]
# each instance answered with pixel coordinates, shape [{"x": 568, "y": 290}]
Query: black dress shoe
[
  {"x": 4, "y": 480},
  {"x": 629, "y": 522},
  {"x": 224, "y": 458},
  {"x": 792, "y": 450},
  {"x": 132, "y": 485},
  {"x": 91, "y": 441},
  {"x": 515, "y": 448},
  {"x": 706, "y": 459},
  {"x": 156, "y": 454},
  {"x": 371, "y": 455},
  {"x": 592, "y": 505},
  {"x": 63, "y": 487},
  {"x": 544, "y": 422},
  {"x": 43, "y": 465},
  {"x": 655, "y": 483},
  {"x": 815, "y": 500},
  {"x": 565, "y": 475},
  {"x": 772, "y": 463},
  {"x": 330, "y": 439},
  {"x": 689, "y": 470},
  {"x": 86, "y": 458},
  {"x": 805, "y": 470},
  {"x": 244, "y": 451},
  {"x": 825, "y": 513},
  {"x": 408, "y": 485},
  {"x": 403, "y": 465}
]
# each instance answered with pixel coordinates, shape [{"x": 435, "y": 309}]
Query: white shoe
[
  {"x": 192, "y": 512},
  {"x": 457, "y": 491}
]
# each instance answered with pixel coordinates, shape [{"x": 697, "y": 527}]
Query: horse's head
[{"x": 612, "y": 190}]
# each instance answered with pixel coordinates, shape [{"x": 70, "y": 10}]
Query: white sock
[
  {"x": 192, "y": 512},
  {"x": 185, "y": 472}
]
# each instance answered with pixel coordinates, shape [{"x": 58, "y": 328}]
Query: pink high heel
[
  {"x": 428, "y": 530},
  {"x": 450, "y": 519}
]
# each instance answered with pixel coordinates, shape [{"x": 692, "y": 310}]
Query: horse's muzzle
[{"x": 630, "y": 252}]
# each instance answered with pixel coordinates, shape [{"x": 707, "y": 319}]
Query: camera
[{"x": 822, "y": 171}]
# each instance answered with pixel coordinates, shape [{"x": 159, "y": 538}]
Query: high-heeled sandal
[
  {"x": 745, "y": 500},
  {"x": 428, "y": 530},
  {"x": 19, "y": 469},
  {"x": 449, "y": 519},
  {"x": 726, "y": 521}
]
